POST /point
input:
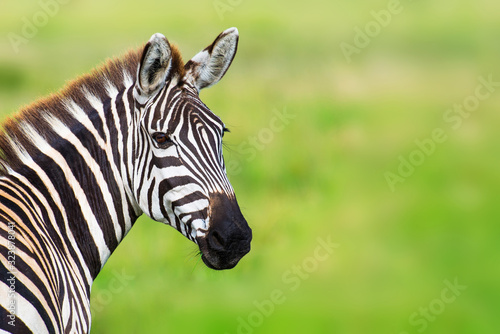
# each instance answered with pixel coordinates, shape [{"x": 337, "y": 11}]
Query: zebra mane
[{"x": 114, "y": 74}]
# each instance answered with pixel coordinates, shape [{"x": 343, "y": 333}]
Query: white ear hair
[
  {"x": 209, "y": 66},
  {"x": 155, "y": 65}
]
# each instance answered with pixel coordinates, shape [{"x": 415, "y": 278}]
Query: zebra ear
[
  {"x": 209, "y": 66},
  {"x": 155, "y": 65}
]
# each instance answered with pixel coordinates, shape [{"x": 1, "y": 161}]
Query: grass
[{"x": 321, "y": 176}]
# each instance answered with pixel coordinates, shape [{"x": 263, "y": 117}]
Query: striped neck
[{"x": 74, "y": 148}]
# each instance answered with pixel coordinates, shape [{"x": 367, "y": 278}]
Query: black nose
[
  {"x": 225, "y": 245},
  {"x": 228, "y": 237}
]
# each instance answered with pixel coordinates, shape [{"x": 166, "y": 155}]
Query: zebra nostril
[{"x": 216, "y": 240}]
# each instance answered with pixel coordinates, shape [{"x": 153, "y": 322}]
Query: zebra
[{"x": 79, "y": 167}]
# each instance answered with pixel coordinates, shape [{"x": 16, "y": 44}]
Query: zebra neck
[
  {"x": 95, "y": 165},
  {"x": 80, "y": 170},
  {"x": 71, "y": 155}
]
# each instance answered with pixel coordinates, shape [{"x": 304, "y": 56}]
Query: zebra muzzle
[{"x": 228, "y": 237}]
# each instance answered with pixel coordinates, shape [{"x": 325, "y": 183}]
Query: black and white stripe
[{"x": 78, "y": 168}]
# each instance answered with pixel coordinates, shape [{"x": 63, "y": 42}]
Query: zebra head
[{"x": 179, "y": 177}]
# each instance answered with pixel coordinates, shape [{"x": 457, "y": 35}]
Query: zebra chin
[{"x": 228, "y": 236}]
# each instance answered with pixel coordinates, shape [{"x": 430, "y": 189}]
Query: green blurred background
[{"x": 319, "y": 175}]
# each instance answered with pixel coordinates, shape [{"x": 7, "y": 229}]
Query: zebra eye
[
  {"x": 224, "y": 131},
  {"x": 161, "y": 138}
]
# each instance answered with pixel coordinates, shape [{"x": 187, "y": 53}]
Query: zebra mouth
[
  {"x": 214, "y": 265},
  {"x": 221, "y": 262}
]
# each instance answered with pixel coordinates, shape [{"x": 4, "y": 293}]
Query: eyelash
[{"x": 162, "y": 138}]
